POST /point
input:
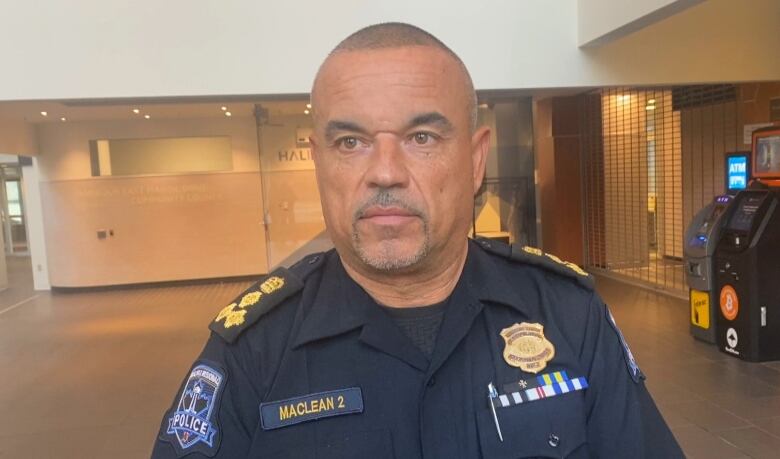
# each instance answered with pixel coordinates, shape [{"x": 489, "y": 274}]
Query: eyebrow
[
  {"x": 424, "y": 119},
  {"x": 431, "y": 119},
  {"x": 334, "y": 126}
]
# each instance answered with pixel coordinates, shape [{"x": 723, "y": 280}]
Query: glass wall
[
  {"x": 292, "y": 212},
  {"x": 505, "y": 207}
]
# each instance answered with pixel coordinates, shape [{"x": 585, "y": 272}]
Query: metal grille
[{"x": 651, "y": 159}]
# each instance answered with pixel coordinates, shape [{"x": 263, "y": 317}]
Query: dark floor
[
  {"x": 88, "y": 375},
  {"x": 716, "y": 405}
]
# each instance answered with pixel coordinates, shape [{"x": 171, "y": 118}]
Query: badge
[
  {"x": 193, "y": 422},
  {"x": 526, "y": 347}
]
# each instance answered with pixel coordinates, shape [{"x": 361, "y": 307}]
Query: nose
[{"x": 388, "y": 166}]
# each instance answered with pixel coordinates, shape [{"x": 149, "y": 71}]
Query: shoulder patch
[
  {"x": 534, "y": 256},
  {"x": 633, "y": 369},
  {"x": 254, "y": 303},
  {"x": 191, "y": 426}
]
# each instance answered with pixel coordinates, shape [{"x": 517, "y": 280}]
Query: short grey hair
[{"x": 399, "y": 34}]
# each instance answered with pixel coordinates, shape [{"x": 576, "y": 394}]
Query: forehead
[{"x": 407, "y": 79}]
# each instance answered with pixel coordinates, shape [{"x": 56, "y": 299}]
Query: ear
[{"x": 480, "y": 145}]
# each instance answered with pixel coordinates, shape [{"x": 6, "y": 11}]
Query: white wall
[
  {"x": 64, "y": 147},
  {"x": 147, "y": 48},
  {"x": 35, "y": 231},
  {"x": 600, "y": 21},
  {"x": 156, "y": 220}
]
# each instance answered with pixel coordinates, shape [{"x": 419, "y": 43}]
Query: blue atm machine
[{"x": 701, "y": 238}]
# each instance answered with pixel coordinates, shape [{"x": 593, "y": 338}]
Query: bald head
[{"x": 401, "y": 35}]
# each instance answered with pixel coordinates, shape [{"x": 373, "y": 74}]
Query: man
[{"x": 409, "y": 340}]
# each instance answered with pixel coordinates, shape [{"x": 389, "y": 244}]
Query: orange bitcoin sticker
[{"x": 729, "y": 303}]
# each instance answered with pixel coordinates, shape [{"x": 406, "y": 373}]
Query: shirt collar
[{"x": 341, "y": 305}]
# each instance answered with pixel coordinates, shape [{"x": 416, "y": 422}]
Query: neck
[{"x": 420, "y": 287}]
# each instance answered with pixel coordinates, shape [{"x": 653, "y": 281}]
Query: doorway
[{"x": 13, "y": 219}]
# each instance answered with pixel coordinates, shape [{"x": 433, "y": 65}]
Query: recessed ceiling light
[
  {"x": 306, "y": 112},
  {"x": 147, "y": 116},
  {"x": 44, "y": 113},
  {"x": 228, "y": 114},
  {"x": 650, "y": 107},
  {"x": 136, "y": 111},
  {"x": 223, "y": 108},
  {"x": 308, "y": 105},
  {"x": 63, "y": 119},
  {"x": 651, "y": 102}
]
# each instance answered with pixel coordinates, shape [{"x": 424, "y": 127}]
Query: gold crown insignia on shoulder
[{"x": 254, "y": 303}]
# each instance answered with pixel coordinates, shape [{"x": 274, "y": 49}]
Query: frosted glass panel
[{"x": 160, "y": 155}]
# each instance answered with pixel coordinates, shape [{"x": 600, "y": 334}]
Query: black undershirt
[{"x": 420, "y": 324}]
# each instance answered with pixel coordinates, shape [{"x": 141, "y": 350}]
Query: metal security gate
[{"x": 651, "y": 159}]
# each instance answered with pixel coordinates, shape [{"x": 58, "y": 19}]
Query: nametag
[{"x": 283, "y": 413}]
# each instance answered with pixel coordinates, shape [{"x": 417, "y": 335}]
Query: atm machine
[
  {"x": 701, "y": 238},
  {"x": 747, "y": 261}
]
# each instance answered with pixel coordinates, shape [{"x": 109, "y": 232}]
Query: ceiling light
[
  {"x": 147, "y": 116},
  {"x": 308, "y": 105},
  {"x": 306, "y": 112},
  {"x": 650, "y": 107},
  {"x": 136, "y": 111},
  {"x": 483, "y": 105},
  {"x": 223, "y": 108},
  {"x": 63, "y": 119},
  {"x": 651, "y": 102},
  {"x": 228, "y": 114},
  {"x": 44, "y": 113}
]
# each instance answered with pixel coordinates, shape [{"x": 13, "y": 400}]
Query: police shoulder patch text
[{"x": 192, "y": 425}]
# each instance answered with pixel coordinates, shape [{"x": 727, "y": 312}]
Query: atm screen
[
  {"x": 767, "y": 156},
  {"x": 745, "y": 211},
  {"x": 737, "y": 170}
]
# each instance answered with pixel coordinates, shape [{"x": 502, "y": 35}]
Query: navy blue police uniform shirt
[{"x": 305, "y": 364}]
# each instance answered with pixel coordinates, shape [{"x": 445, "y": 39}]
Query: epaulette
[
  {"x": 536, "y": 257},
  {"x": 262, "y": 297}
]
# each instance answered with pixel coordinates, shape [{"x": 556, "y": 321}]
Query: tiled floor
[
  {"x": 88, "y": 375},
  {"x": 717, "y": 406},
  {"x": 664, "y": 272}
]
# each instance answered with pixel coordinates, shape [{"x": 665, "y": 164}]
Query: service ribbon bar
[{"x": 547, "y": 385}]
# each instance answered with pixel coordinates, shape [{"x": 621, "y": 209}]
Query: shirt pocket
[
  {"x": 376, "y": 444},
  {"x": 552, "y": 427}
]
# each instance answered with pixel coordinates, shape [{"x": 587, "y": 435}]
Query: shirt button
[
  {"x": 553, "y": 440},
  {"x": 431, "y": 382}
]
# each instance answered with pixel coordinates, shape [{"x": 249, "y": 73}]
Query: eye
[
  {"x": 348, "y": 143},
  {"x": 422, "y": 138}
]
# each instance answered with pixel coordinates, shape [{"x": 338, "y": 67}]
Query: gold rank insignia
[
  {"x": 568, "y": 264},
  {"x": 526, "y": 347},
  {"x": 233, "y": 314}
]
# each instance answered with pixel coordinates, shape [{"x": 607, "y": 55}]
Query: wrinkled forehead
[{"x": 401, "y": 81}]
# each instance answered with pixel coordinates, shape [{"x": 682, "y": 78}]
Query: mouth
[{"x": 387, "y": 215}]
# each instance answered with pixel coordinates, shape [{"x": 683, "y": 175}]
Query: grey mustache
[{"x": 385, "y": 198}]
